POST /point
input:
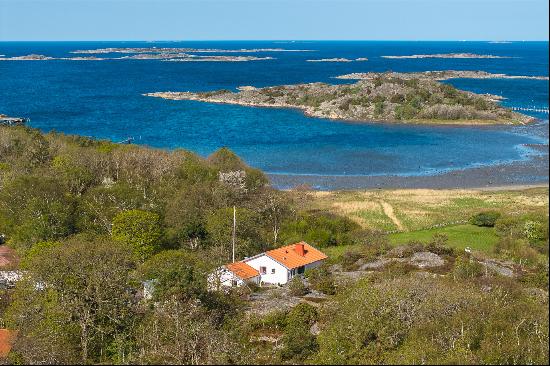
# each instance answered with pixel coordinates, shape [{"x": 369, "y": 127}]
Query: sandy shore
[{"x": 516, "y": 175}]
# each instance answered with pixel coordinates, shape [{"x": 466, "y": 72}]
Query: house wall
[
  {"x": 281, "y": 275},
  {"x": 314, "y": 264}
]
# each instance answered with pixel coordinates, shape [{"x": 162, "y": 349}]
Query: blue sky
[{"x": 273, "y": 19}]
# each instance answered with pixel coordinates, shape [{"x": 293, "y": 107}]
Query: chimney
[{"x": 299, "y": 248}]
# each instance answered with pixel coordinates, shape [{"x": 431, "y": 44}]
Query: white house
[{"x": 277, "y": 266}]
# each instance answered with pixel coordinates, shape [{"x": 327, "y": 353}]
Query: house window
[
  {"x": 234, "y": 283},
  {"x": 263, "y": 270},
  {"x": 301, "y": 270},
  {"x": 273, "y": 271}
]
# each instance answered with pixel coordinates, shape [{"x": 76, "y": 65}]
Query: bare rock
[{"x": 426, "y": 260}]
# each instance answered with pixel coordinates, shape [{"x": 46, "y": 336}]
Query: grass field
[
  {"x": 417, "y": 211},
  {"x": 460, "y": 236}
]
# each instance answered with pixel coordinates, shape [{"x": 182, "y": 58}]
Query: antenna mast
[{"x": 234, "y": 230}]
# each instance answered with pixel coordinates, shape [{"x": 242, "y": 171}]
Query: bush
[
  {"x": 297, "y": 287},
  {"x": 375, "y": 243},
  {"x": 302, "y": 313},
  {"x": 537, "y": 278},
  {"x": 298, "y": 341},
  {"x": 467, "y": 268},
  {"x": 535, "y": 231},
  {"x": 349, "y": 260},
  {"x": 321, "y": 230},
  {"x": 321, "y": 280},
  {"x": 438, "y": 245},
  {"x": 485, "y": 219}
]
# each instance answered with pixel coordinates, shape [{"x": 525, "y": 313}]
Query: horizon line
[{"x": 278, "y": 40}]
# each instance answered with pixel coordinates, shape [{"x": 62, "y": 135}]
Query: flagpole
[{"x": 234, "y": 230}]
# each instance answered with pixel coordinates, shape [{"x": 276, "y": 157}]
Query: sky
[{"x": 49, "y": 20}]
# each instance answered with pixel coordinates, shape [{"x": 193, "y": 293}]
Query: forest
[{"x": 90, "y": 221}]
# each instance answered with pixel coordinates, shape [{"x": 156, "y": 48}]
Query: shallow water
[{"x": 103, "y": 99}]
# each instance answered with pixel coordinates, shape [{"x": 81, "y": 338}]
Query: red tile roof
[
  {"x": 6, "y": 340},
  {"x": 296, "y": 255},
  {"x": 242, "y": 270}
]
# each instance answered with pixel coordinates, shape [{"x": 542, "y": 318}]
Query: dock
[
  {"x": 12, "y": 121},
  {"x": 529, "y": 109}
]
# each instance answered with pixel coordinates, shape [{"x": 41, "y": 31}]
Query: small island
[
  {"x": 447, "y": 55},
  {"x": 180, "y": 50},
  {"x": 439, "y": 75},
  {"x": 338, "y": 59},
  {"x": 384, "y": 97},
  {"x": 31, "y": 57}
]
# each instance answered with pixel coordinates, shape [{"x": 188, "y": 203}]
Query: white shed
[{"x": 233, "y": 275}]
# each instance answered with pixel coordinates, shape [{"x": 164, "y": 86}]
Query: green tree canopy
[{"x": 138, "y": 229}]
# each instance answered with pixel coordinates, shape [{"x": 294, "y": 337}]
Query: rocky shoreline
[
  {"x": 386, "y": 97},
  {"x": 521, "y": 174}
]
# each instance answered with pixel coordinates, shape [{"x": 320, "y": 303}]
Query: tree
[
  {"x": 177, "y": 332},
  {"x": 36, "y": 209},
  {"x": 275, "y": 209},
  {"x": 248, "y": 234},
  {"x": 74, "y": 304},
  {"x": 176, "y": 274},
  {"x": 140, "y": 230}
]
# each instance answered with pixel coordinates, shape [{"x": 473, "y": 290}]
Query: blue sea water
[{"x": 103, "y": 99}]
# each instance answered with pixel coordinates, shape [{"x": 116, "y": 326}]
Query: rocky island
[
  {"x": 383, "y": 97},
  {"x": 338, "y": 59},
  {"x": 180, "y": 50},
  {"x": 438, "y": 75},
  {"x": 447, "y": 55},
  {"x": 31, "y": 57}
]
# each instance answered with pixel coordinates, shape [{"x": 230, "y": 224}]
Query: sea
[{"x": 104, "y": 100}]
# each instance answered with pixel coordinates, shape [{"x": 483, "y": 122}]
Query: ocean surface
[{"x": 103, "y": 99}]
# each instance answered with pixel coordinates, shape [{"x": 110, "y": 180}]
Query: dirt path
[{"x": 388, "y": 210}]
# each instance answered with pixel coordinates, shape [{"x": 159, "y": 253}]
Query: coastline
[{"x": 527, "y": 174}]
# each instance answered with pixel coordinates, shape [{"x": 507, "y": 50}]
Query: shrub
[
  {"x": 321, "y": 280},
  {"x": 537, "y": 278},
  {"x": 378, "y": 108},
  {"x": 535, "y": 231},
  {"x": 485, "y": 219},
  {"x": 405, "y": 111},
  {"x": 438, "y": 245},
  {"x": 297, "y": 287},
  {"x": 302, "y": 313},
  {"x": 467, "y": 268},
  {"x": 349, "y": 260},
  {"x": 298, "y": 341}
]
